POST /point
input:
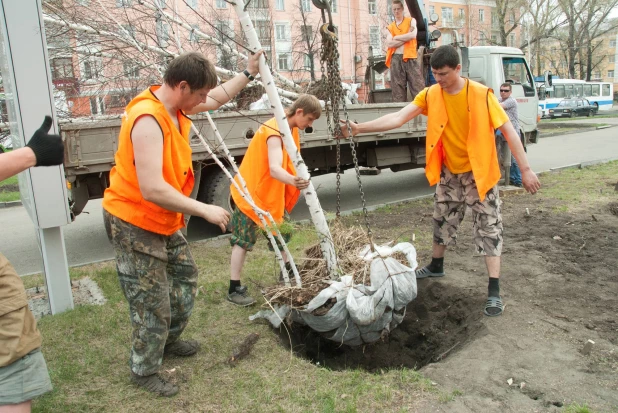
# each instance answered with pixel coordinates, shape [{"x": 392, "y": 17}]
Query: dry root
[{"x": 349, "y": 242}]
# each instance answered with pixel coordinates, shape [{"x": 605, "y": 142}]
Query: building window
[
  {"x": 116, "y": 101},
  {"x": 283, "y": 62},
  {"x": 307, "y": 61},
  {"x": 610, "y": 73},
  {"x": 512, "y": 40},
  {"x": 281, "y": 32},
  {"x": 447, "y": 16},
  {"x": 221, "y": 4},
  {"x": 192, "y": 4},
  {"x": 494, "y": 20},
  {"x": 447, "y": 38},
  {"x": 97, "y": 106},
  {"x": 597, "y": 75},
  {"x": 262, "y": 27},
  {"x": 432, "y": 9},
  {"x": 305, "y": 5},
  {"x": 482, "y": 39},
  {"x": 123, "y": 3},
  {"x": 280, "y": 5},
  {"x": 162, "y": 32},
  {"x": 334, "y": 6},
  {"x": 306, "y": 33},
  {"x": 481, "y": 15},
  {"x": 462, "y": 14},
  {"x": 373, "y": 8},
  {"x": 612, "y": 43},
  {"x": 130, "y": 70},
  {"x": 160, "y": 3},
  {"x": 494, "y": 39},
  {"x": 374, "y": 38},
  {"x": 612, "y": 59},
  {"x": 258, "y": 4},
  {"x": 62, "y": 68},
  {"x": 92, "y": 69}
]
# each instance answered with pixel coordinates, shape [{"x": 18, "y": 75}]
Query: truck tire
[{"x": 215, "y": 188}]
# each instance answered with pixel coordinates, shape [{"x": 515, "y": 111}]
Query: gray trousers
[{"x": 405, "y": 74}]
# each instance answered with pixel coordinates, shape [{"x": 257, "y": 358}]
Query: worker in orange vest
[
  {"x": 144, "y": 207},
  {"x": 462, "y": 163},
  {"x": 273, "y": 185},
  {"x": 401, "y": 56}
]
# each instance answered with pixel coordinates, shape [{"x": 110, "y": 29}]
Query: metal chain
[
  {"x": 330, "y": 55},
  {"x": 331, "y": 131}
]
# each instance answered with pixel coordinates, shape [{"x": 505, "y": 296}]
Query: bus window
[
  {"x": 577, "y": 91},
  {"x": 568, "y": 91},
  {"x": 587, "y": 90},
  {"x": 558, "y": 91},
  {"x": 605, "y": 90},
  {"x": 516, "y": 71},
  {"x": 596, "y": 89}
]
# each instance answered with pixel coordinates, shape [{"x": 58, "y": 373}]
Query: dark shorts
[
  {"x": 245, "y": 232},
  {"x": 24, "y": 379},
  {"x": 454, "y": 193}
]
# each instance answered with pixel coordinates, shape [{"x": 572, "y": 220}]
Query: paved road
[{"x": 86, "y": 240}]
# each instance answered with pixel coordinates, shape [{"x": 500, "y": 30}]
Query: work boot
[
  {"x": 288, "y": 268},
  {"x": 155, "y": 384},
  {"x": 240, "y": 297},
  {"x": 182, "y": 348}
]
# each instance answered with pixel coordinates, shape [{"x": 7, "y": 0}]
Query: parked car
[{"x": 573, "y": 107}]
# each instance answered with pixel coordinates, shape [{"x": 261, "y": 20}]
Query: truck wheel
[{"x": 215, "y": 189}]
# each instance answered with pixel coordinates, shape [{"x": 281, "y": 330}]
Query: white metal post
[{"x": 29, "y": 92}]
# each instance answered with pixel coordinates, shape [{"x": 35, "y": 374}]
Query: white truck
[{"x": 90, "y": 145}]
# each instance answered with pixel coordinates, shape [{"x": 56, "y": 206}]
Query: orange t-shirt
[{"x": 455, "y": 135}]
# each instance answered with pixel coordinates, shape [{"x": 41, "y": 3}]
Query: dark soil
[{"x": 559, "y": 280}]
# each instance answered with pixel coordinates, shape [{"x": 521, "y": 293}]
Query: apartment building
[{"x": 128, "y": 42}]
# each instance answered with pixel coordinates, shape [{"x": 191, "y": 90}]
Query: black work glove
[{"x": 48, "y": 149}]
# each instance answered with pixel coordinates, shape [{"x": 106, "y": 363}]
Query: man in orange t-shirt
[
  {"x": 462, "y": 116},
  {"x": 273, "y": 185}
]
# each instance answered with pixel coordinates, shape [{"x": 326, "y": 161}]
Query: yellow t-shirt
[{"x": 455, "y": 135}]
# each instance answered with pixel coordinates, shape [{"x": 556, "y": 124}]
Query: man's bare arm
[
  {"x": 16, "y": 161},
  {"x": 390, "y": 43},
  {"x": 226, "y": 91},
  {"x": 148, "y": 153},
  {"x": 410, "y": 35},
  {"x": 528, "y": 177},
  {"x": 275, "y": 162},
  {"x": 386, "y": 122}
]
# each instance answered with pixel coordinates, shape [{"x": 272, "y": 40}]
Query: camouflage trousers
[
  {"x": 158, "y": 277},
  {"x": 405, "y": 73},
  {"x": 453, "y": 194}
]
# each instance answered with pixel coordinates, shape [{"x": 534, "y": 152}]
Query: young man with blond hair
[
  {"x": 144, "y": 205},
  {"x": 273, "y": 185},
  {"x": 462, "y": 116},
  {"x": 402, "y": 55}
]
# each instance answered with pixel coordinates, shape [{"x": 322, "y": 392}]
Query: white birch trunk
[{"x": 317, "y": 214}]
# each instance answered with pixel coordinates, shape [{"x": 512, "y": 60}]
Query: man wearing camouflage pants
[
  {"x": 144, "y": 205},
  {"x": 402, "y": 55}
]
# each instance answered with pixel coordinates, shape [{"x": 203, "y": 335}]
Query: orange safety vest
[
  {"x": 409, "y": 47},
  {"x": 268, "y": 193},
  {"x": 481, "y": 141},
  {"x": 123, "y": 198}
]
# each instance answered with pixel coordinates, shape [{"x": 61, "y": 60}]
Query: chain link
[{"x": 330, "y": 56}]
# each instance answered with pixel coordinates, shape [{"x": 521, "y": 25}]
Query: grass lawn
[
  {"x": 87, "y": 348},
  {"x": 9, "y": 190}
]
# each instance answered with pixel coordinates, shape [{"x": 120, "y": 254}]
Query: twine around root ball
[{"x": 348, "y": 242}]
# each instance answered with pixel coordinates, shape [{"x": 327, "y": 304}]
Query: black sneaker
[{"x": 240, "y": 297}]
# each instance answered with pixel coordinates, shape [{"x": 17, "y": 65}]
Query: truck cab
[{"x": 495, "y": 65}]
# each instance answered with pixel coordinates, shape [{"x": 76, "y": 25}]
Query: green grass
[
  {"x": 577, "y": 408},
  {"x": 9, "y": 195},
  {"x": 87, "y": 348},
  {"x": 579, "y": 189}
]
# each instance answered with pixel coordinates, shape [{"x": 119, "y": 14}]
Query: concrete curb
[{"x": 10, "y": 204}]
